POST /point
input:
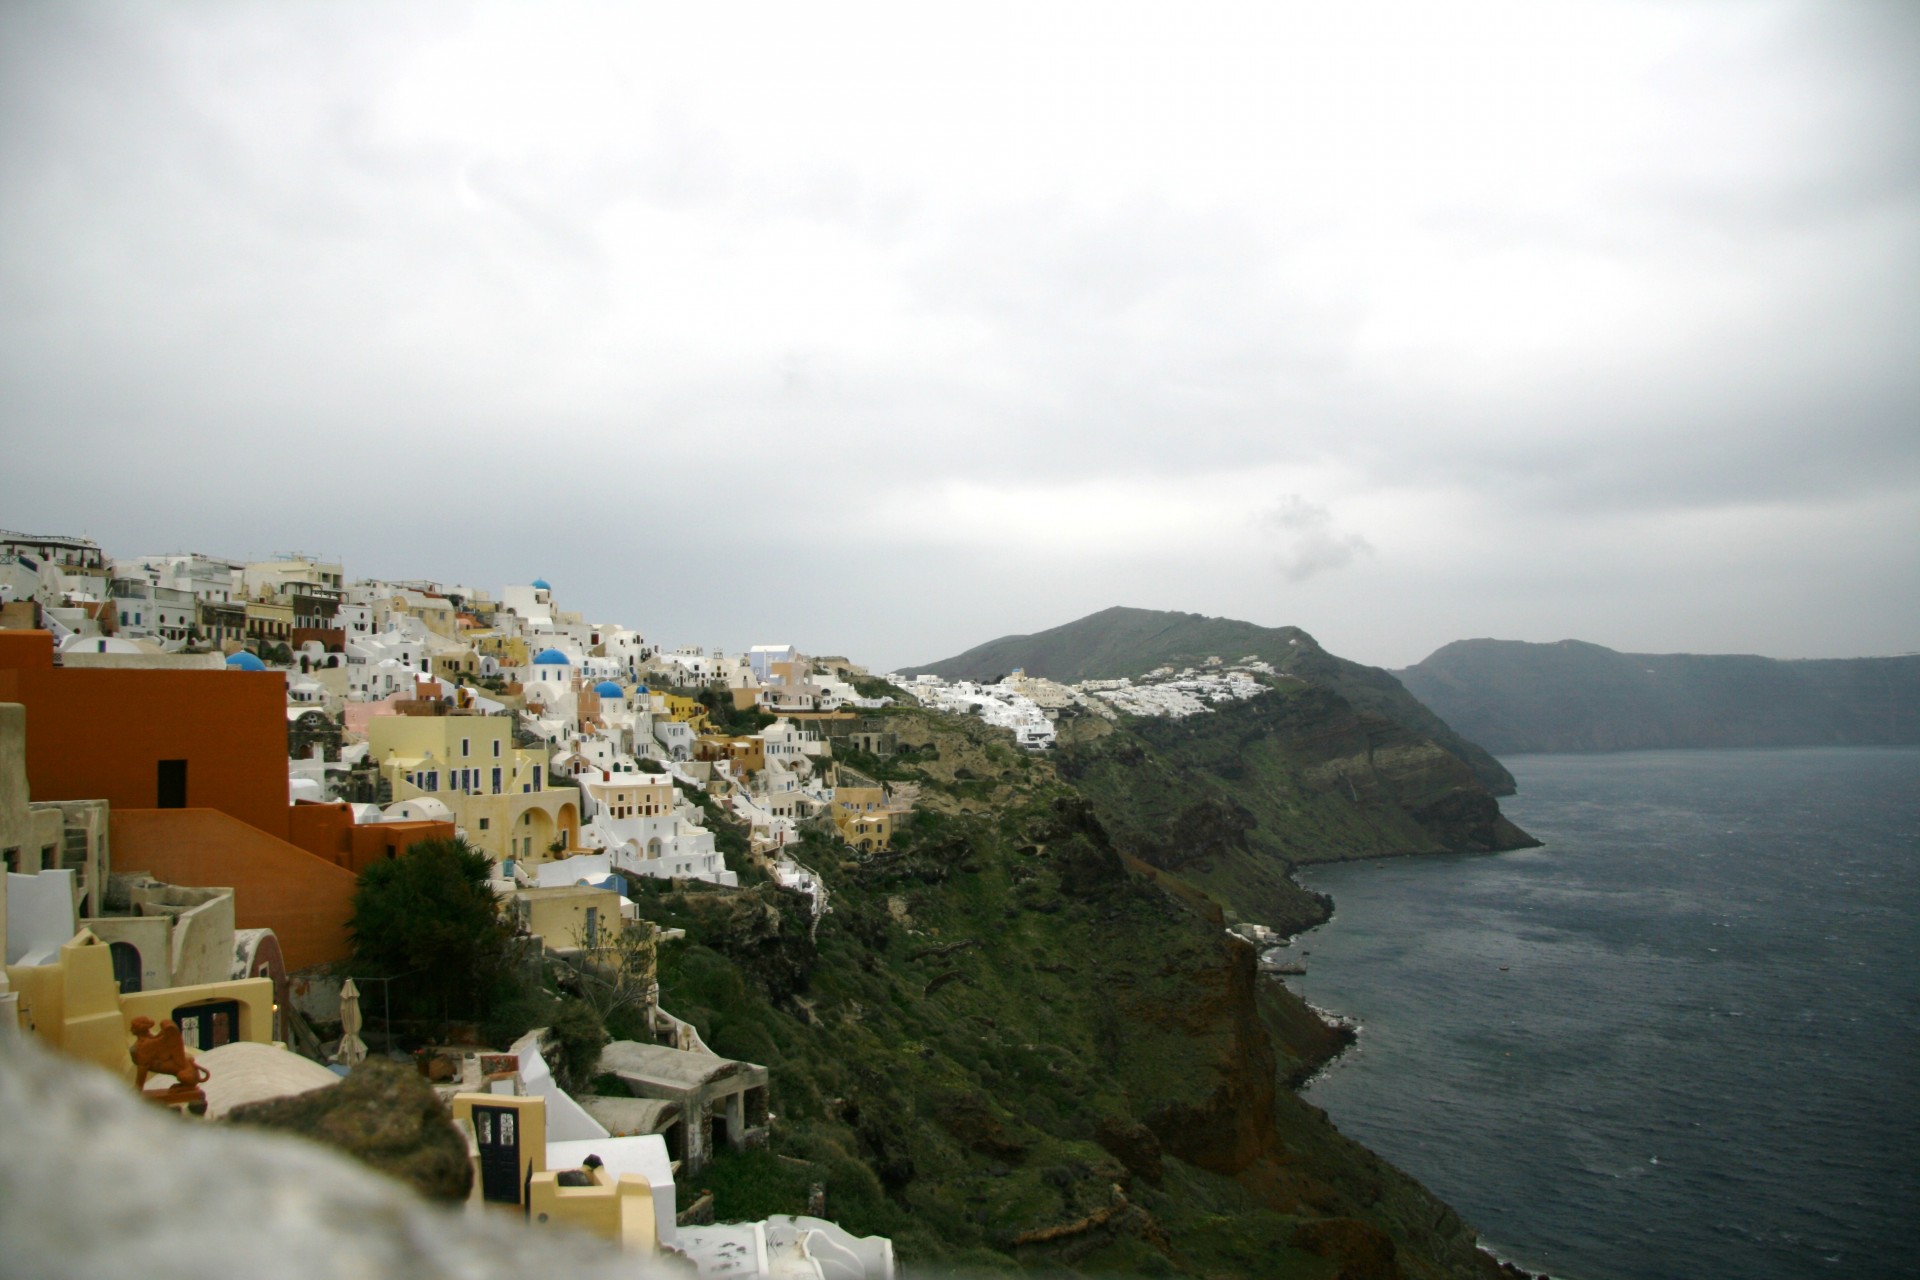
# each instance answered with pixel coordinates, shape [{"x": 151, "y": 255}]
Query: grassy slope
[
  {"x": 1011, "y": 1045},
  {"x": 1130, "y": 642}
]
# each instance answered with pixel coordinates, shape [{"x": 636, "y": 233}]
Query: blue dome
[
  {"x": 541, "y": 584},
  {"x": 608, "y": 689},
  {"x": 244, "y": 661},
  {"x": 552, "y": 658},
  {"x": 640, "y": 688}
]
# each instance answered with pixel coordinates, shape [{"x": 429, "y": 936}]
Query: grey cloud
[
  {"x": 245, "y": 310},
  {"x": 1310, "y": 542}
]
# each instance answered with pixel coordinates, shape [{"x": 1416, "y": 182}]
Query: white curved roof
[{"x": 419, "y": 809}]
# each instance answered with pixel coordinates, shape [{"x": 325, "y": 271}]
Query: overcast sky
[{"x": 890, "y": 329}]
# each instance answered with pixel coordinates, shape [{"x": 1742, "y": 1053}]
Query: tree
[
  {"x": 617, "y": 977},
  {"x": 429, "y": 921}
]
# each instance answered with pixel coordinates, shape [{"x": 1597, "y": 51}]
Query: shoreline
[{"x": 1348, "y": 1028}]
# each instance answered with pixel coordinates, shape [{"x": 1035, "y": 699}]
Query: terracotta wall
[
  {"x": 329, "y": 831},
  {"x": 304, "y": 899},
  {"x": 28, "y": 649},
  {"x": 101, "y": 734}
]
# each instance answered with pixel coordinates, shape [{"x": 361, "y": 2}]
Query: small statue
[{"x": 162, "y": 1051}]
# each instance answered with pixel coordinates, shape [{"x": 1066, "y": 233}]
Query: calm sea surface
[{"x": 1682, "y": 1040}]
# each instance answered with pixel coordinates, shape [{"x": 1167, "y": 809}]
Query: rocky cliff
[
  {"x": 1233, "y": 800},
  {"x": 1572, "y": 696},
  {"x": 1130, "y": 642},
  {"x": 1012, "y": 1043}
]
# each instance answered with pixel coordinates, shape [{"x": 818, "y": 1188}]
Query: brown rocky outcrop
[
  {"x": 1360, "y": 1250},
  {"x": 1229, "y": 1125},
  {"x": 383, "y": 1115}
]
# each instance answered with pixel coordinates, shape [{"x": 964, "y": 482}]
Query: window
[
  {"x": 496, "y": 748},
  {"x": 483, "y": 824},
  {"x": 496, "y": 778},
  {"x": 170, "y": 785},
  {"x": 465, "y": 746},
  {"x": 208, "y": 1024}
]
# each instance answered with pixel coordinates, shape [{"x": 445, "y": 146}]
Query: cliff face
[
  {"x": 1231, "y": 800},
  {"x": 1572, "y": 696},
  {"x": 1131, "y": 642},
  {"x": 1012, "y": 1044}
]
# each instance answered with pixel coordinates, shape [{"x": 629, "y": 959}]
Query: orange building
[
  {"x": 151, "y": 738},
  {"x": 329, "y": 831},
  {"x": 194, "y": 767},
  {"x": 306, "y": 900}
]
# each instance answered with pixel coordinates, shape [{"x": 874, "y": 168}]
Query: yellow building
[
  {"x": 867, "y": 832},
  {"x": 510, "y": 1131},
  {"x": 508, "y": 651},
  {"x": 510, "y": 1140},
  {"x": 453, "y": 666},
  {"x": 863, "y": 811},
  {"x": 270, "y": 620},
  {"x": 620, "y": 1210},
  {"x": 496, "y": 793},
  {"x": 864, "y": 796},
  {"x": 568, "y": 917},
  {"x": 527, "y": 827},
  {"x": 75, "y": 1005},
  {"x": 688, "y": 711},
  {"x": 748, "y": 754},
  {"x": 437, "y": 613},
  {"x": 442, "y": 755}
]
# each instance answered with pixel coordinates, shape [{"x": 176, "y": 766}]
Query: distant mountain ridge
[
  {"x": 1513, "y": 696},
  {"x": 1129, "y": 642}
]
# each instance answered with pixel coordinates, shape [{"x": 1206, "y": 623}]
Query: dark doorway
[
  {"x": 126, "y": 966},
  {"x": 496, "y": 1131},
  {"x": 173, "y": 784}
]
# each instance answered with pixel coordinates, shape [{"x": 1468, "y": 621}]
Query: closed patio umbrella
[{"x": 352, "y": 1049}]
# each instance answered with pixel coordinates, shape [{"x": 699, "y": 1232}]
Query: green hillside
[
  {"x": 1131, "y": 642},
  {"x": 1012, "y": 1045}
]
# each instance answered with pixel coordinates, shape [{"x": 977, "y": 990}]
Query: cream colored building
[
  {"x": 570, "y": 917},
  {"x": 437, "y": 613},
  {"x": 448, "y": 755}
]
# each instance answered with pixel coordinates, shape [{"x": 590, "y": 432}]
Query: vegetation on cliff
[
  {"x": 1011, "y": 1043},
  {"x": 1572, "y": 696},
  {"x": 1233, "y": 800},
  {"x": 1131, "y": 642}
]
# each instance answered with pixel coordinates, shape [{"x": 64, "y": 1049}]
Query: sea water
[{"x": 1680, "y": 1040}]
